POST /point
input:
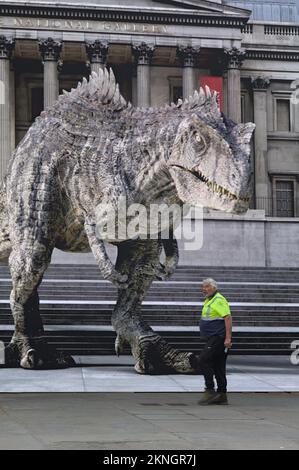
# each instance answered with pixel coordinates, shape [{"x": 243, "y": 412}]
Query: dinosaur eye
[{"x": 198, "y": 138}]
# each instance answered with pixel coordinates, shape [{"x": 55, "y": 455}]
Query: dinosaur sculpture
[{"x": 92, "y": 147}]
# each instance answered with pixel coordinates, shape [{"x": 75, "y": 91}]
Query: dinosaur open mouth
[{"x": 212, "y": 185}]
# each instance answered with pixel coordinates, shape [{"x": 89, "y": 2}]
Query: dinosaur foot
[
  {"x": 39, "y": 355},
  {"x": 156, "y": 356}
]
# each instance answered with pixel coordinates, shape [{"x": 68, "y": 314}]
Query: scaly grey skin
[{"x": 92, "y": 147}]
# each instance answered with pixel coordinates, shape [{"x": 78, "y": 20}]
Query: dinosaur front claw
[
  {"x": 119, "y": 345},
  {"x": 163, "y": 271},
  {"x": 118, "y": 279}
]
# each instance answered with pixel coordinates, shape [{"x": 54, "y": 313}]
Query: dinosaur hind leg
[
  {"x": 139, "y": 259},
  {"x": 28, "y": 347}
]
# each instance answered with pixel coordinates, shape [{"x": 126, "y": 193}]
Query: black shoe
[
  {"x": 207, "y": 396},
  {"x": 218, "y": 399}
]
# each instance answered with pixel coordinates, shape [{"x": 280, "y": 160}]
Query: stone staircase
[{"x": 76, "y": 306}]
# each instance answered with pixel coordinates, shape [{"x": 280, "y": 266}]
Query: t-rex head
[{"x": 210, "y": 162}]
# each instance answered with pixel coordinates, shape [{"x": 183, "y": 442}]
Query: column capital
[
  {"x": 143, "y": 53},
  {"x": 50, "y": 49},
  {"x": 234, "y": 57},
  {"x": 260, "y": 83},
  {"x": 6, "y": 47},
  {"x": 97, "y": 51},
  {"x": 187, "y": 55}
]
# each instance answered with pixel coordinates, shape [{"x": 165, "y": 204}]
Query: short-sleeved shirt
[{"x": 212, "y": 317}]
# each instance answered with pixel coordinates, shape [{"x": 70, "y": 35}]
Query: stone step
[
  {"x": 164, "y": 285},
  {"x": 169, "y": 287},
  {"x": 75, "y": 270},
  {"x": 102, "y": 342},
  {"x": 65, "y": 266},
  {"x": 70, "y": 299},
  {"x": 181, "y": 267},
  {"x": 76, "y": 306},
  {"x": 166, "y": 296},
  {"x": 107, "y": 321},
  {"x": 162, "y": 305}
]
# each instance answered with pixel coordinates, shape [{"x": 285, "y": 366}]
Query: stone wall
[{"x": 251, "y": 240}]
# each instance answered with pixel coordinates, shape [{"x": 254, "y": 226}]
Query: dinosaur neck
[
  {"x": 153, "y": 181},
  {"x": 155, "y": 185}
]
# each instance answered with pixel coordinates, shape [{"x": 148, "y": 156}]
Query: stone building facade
[{"x": 160, "y": 51}]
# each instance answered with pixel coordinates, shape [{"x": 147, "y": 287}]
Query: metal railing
[{"x": 278, "y": 207}]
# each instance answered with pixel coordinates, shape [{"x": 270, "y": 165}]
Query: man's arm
[{"x": 228, "y": 329}]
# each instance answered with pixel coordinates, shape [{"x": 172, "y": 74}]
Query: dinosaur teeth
[
  {"x": 214, "y": 186},
  {"x": 219, "y": 189}
]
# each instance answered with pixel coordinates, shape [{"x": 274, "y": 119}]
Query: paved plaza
[
  {"x": 112, "y": 374},
  {"x": 164, "y": 421}
]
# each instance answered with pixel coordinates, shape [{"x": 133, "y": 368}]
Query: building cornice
[{"x": 188, "y": 18}]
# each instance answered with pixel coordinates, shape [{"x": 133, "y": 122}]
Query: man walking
[{"x": 216, "y": 329}]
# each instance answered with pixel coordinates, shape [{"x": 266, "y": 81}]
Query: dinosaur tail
[{"x": 5, "y": 244}]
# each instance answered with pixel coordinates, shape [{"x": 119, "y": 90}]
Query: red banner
[{"x": 214, "y": 83}]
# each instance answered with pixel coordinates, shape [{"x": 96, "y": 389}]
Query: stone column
[
  {"x": 12, "y": 99},
  {"x": 259, "y": 87},
  {"x": 6, "y": 48},
  {"x": 97, "y": 52},
  {"x": 143, "y": 54},
  {"x": 295, "y": 104},
  {"x": 188, "y": 56},
  {"x": 234, "y": 58},
  {"x": 50, "y": 51}
]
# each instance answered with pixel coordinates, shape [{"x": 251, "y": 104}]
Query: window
[
  {"x": 175, "y": 89},
  {"x": 285, "y": 196},
  {"x": 243, "y": 107},
  {"x": 177, "y": 92},
  {"x": 283, "y": 112},
  {"x": 283, "y": 115}
]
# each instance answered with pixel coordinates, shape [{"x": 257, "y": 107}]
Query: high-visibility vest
[{"x": 215, "y": 308}]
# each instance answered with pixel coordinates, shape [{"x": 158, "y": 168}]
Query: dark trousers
[{"x": 212, "y": 362}]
